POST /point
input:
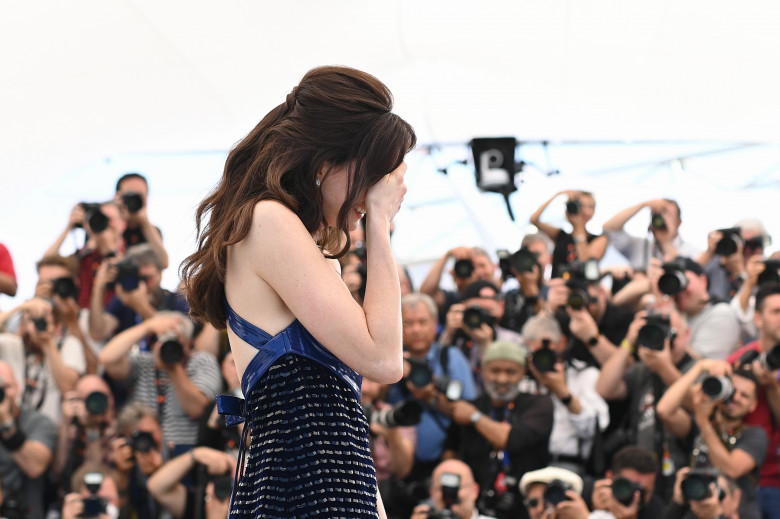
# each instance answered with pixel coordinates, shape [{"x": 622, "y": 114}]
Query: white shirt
[{"x": 638, "y": 251}]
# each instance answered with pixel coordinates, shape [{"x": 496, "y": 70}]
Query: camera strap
[
  {"x": 34, "y": 382},
  {"x": 160, "y": 385}
]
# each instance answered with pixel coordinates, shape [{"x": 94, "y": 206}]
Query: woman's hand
[{"x": 383, "y": 200}]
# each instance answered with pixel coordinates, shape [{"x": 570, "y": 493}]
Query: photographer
[
  {"x": 553, "y": 493},
  {"x": 712, "y": 496},
  {"x": 210, "y": 498},
  {"x": 86, "y": 431},
  {"x": 720, "y": 437},
  {"x": 472, "y": 325},
  {"x": 471, "y": 264},
  {"x": 628, "y": 491},
  {"x": 139, "y": 296},
  {"x": 714, "y": 325},
  {"x": 104, "y": 225},
  {"x": 96, "y": 494},
  {"x": 504, "y": 433},
  {"x": 136, "y": 454},
  {"x": 48, "y": 361},
  {"x": 728, "y": 251},
  {"x": 453, "y": 494},
  {"x": 767, "y": 413},
  {"x": 429, "y": 370},
  {"x": 579, "y": 244},
  {"x": 660, "y": 340},
  {"x": 579, "y": 412},
  {"x": 27, "y": 440},
  {"x": 760, "y": 272},
  {"x": 666, "y": 243},
  {"x": 172, "y": 378},
  {"x": 527, "y": 267},
  {"x": 132, "y": 192}
]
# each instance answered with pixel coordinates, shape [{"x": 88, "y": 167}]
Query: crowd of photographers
[{"x": 541, "y": 385}]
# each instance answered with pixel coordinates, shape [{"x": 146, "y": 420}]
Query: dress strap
[{"x": 247, "y": 331}]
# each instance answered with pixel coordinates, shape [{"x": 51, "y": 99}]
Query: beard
[{"x": 495, "y": 392}]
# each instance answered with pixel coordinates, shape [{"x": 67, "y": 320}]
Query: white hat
[{"x": 548, "y": 475}]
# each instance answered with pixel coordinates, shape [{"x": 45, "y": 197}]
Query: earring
[{"x": 317, "y": 182}]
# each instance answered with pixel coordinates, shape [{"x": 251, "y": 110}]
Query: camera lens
[
  {"x": 142, "y": 441},
  {"x": 717, "y": 387},
  {"x": 772, "y": 358},
  {"x": 171, "y": 352},
  {"x": 651, "y": 336},
  {"x": 657, "y": 221},
  {"x": 556, "y": 492},
  {"x": 464, "y": 268},
  {"x": 474, "y": 317},
  {"x": 133, "y": 201},
  {"x": 726, "y": 246},
  {"x": 523, "y": 260},
  {"x": 40, "y": 324},
  {"x": 420, "y": 375},
  {"x": 695, "y": 487},
  {"x": 672, "y": 282},
  {"x": 96, "y": 403},
  {"x": 64, "y": 287},
  {"x": 573, "y": 207},
  {"x": 98, "y": 222},
  {"x": 544, "y": 360},
  {"x": 623, "y": 489},
  {"x": 577, "y": 299}
]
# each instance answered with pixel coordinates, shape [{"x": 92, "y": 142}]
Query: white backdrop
[{"x": 91, "y": 89}]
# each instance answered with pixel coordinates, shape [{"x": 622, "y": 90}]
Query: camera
[
  {"x": 718, "y": 388},
  {"x": 464, "y": 268},
  {"x": 696, "y": 485},
  {"x": 142, "y": 441},
  {"x": 475, "y": 316},
  {"x": 657, "y": 221},
  {"x": 624, "y": 489},
  {"x": 93, "y": 505},
  {"x": 729, "y": 243},
  {"x": 770, "y": 273},
  {"x": 94, "y": 216},
  {"x": 127, "y": 274},
  {"x": 133, "y": 201},
  {"x": 450, "y": 486},
  {"x": 556, "y": 492},
  {"x": 421, "y": 375},
  {"x": 407, "y": 412},
  {"x": 40, "y": 323},
  {"x": 579, "y": 275},
  {"x": 673, "y": 280},
  {"x": 96, "y": 403},
  {"x": 223, "y": 486},
  {"x": 171, "y": 350},
  {"x": 573, "y": 207},
  {"x": 770, "y": 360},
  {"x": 64, "y": 287},
  {"x": 545, "y": 358},
  {"x": 656, "y": 330},
  {"x": 521, "y": 261}
]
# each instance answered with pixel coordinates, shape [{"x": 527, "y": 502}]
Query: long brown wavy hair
[{"x": 336, "y": 116}]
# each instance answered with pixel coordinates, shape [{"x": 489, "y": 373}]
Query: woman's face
[{"x": 334, "y": 194}]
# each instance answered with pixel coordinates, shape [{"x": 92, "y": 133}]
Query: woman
[
  {"x": 291, "y": 192},
  {"x": 580, "y": 244}
]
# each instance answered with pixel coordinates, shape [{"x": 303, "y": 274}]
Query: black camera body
[
  {"x": 404, "y": 413},
  {"x": 64, "y": 287},
  {"x": 696, "y": 485},
  {"x": 673, "y": 280},
  {"x": 475, "y": 316},
  {"x": 421, "y": 375},
  {"x": 544, "y": 359},
  {"x": 142, "y": 441},
  {"x": 573, "y": 206},
  {"x": 223, "y": 486},
  {"x": 463, "y": 268},
  {"x": 94, "y": 216},
  {"x": 521, "y": 261},
  {"x": 556, "y": 492},
  {"x": 657, "y": 221},
  {"x": 624, "y": 489},
  {"x": 93, "y": 505},
  {"x": 134, "y": 202},
  {"x": 171, "y": 352},
  {"x": 128, "y": 274},
  {"x": 579, "y": 276},
  {"x": 656, "y": 330},
  {"x": 40, "y": 323},
  {"x": 729, "y": 243},
  {"x": 770, "y": 360},
  {"x": 450, "y": 486},
  {"x": 770, "y": 273}
]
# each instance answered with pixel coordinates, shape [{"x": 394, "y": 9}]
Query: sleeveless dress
[{"x": 309, "y": 453}]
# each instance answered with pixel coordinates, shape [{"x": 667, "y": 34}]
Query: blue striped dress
[{"x": 309, "y": 454}]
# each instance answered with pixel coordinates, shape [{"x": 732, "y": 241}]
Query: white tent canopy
[{"x": 83, "y": 81}]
